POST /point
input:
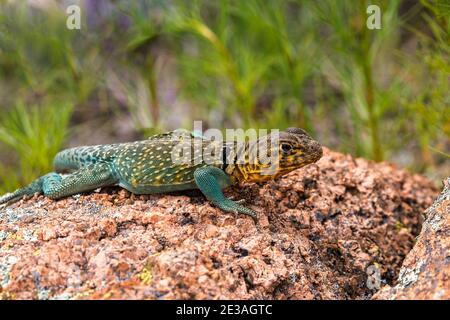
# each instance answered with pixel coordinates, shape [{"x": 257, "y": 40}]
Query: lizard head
[
  {"x": 297, "y": 149},
  {"x": 288, "y": 150}
]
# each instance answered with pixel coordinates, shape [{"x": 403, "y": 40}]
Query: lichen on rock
[{"x": 425, "y": 273}]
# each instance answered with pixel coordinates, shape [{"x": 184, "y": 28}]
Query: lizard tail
[
  {"x": 30, "y": 190},
  {"x": 12, "y": 197}
]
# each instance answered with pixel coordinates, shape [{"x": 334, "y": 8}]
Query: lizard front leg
[{"x": 210, "y": 181}]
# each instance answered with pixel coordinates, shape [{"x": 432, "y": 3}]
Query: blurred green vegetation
[{"x": 139, "y": 67}]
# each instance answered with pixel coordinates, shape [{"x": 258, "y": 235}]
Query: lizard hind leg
[
  {"x": 87, "y": 178},
  {"x": 54, "y": 186}
]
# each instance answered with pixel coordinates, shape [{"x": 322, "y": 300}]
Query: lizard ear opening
[{"x": 297, "y": 131}]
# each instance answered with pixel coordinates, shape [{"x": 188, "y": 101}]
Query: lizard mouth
[
  {"x": 280, "y": 169},
  {"x": 302, "y": 160}
]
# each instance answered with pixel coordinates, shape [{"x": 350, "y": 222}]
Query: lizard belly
[
  {"x": 148, "y": 180},
  {"x": 152, "y": 189}
]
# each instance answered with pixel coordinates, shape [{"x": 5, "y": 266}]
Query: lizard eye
[{"x": 286, "y": 148}]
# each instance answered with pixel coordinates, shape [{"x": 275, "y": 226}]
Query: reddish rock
[
  {"x": 425, "y": 273},
  {"x": 324, "y": 230}
]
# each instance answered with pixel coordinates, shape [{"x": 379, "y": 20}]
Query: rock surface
[
  {"x": 425, "y": 273},
  {"x": 324, "y": 231}
]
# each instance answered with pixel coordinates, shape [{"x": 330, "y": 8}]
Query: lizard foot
[{"x": 246, "y": 211}]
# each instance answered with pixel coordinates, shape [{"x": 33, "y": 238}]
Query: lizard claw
[
  {"x": 240, "y": 201},
  {"x": 252, "y": 215},
  {"x": 255, "y": 218}
]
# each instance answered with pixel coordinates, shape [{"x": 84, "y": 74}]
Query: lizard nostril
[{"x": 317, "y": 149}]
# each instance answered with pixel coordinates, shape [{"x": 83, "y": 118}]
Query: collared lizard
[{"x": 148, "y": 167}]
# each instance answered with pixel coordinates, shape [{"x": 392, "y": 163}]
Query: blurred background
[{"x": 140, "y": 67}]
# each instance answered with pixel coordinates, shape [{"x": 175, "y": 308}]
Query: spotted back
[
  {"x": 73, "y": 159},
  {"x": 151, "y": 162}
]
